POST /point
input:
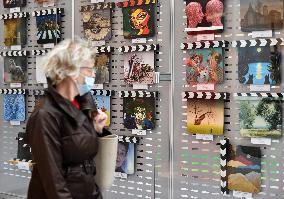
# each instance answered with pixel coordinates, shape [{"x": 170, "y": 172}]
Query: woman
[{"x": 64, "y": 127}]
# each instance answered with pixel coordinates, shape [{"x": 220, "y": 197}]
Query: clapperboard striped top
[
  {"x": 48, "y": 12},
  {"x": 97, "y": 6},
  {"x": 131, "y": 3},
  {"x": 205, "y": 44},
  {"x": 128, "y": 139},
  {"x": 224, "y": 147},
  {"x": 103, "y": 49},
  {"x": 39, "y": 52},
  {"x": 138, "y": 94},
  {"x": 205, "y": 95},
  {"x": 258, "y": 42},
  {"x": 14, "y": 15},
  {"x": 103, "y": 92},
  {"x": 139, "y": 48},
  {"x": 13, "y": 53},
  {"x": 36, "y": 92},
  {"x": 13, "y": 91},
  {"x": 245, "y": 96}
]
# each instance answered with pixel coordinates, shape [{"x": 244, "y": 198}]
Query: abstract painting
[
  {"x": 15, "y": 69},
  {"x": 244, "y": 169},
  {"x": 205, "y": 116},
  {"x": 24, "y": 151},
  {"x": 103, "y": 103},
  {"x": 139, "y": 113},
  {"x": 102, "y": 67},
  {"x": 139, "y": 67},
  {"x": 259, "y": 65},
  {"x": 15, "y": 31},
  {"x": 40, "y": 75},
  {"x": 125, "y": 162},
  {"x": 14, "y": 3},
  {"x": 257, "y": 15},
  {"x": 205, "y": 66},
  {"x": 14, "y": 107}
]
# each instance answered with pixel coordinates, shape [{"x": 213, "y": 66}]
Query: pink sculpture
[
  {"x": 214, "y": 12},
  {"x": 194, "y": 14}
]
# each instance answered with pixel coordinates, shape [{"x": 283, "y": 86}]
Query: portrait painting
[
  {"x": 24, "y": 151},
  {"x": 205, "y": 66},
  {"x": 139, "y": 21},
  {"x": 15, "y": 69},
  {"x": 259, "y": 65},
  {"x": 14, "y": 107},
  {"x": 14, "y": 3},
  {"x": 139, "y": 67},
  {"x": 15, "y": 31},
  {"x": 244, "y": 169},
  {"x": 205, "y": 116},
  {"x": 258, "y": 15},
  {"x": 125, "y": 161},
  {"x": 139, "y": 113},
  {"x": 102, "y": 68},
  {"x": 103, "y": 103}
]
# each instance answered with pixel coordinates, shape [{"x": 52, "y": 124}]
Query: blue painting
[
  {"x": 259, "y": 74},
  {"x": 103, "y": 103},
  {"x": 125, "y": 161},
  {"x": 14, "y": 107}
]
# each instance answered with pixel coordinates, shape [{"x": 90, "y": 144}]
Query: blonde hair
[{"x": 66, "y": 59}]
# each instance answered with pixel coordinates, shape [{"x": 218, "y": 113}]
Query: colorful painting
[
  {"x": 14, "y": 107},
  {"x": 205, "y": 66},
  {"x": 261, "y": 118},
  {"x": 257, "y": 15},
  {"x": 259, "y": 65},
  {"x": 103, "y": 103},
  {"x": 204, "y": 15},
  {"x": 205, "y": 116},
  {"x": 40, "y": 75},
  {"x": 244, "y": 169},
  {"x": 48, "y": 28},
  {"x": 14, "y": 3},
  {"x": 97, "y": 24},
  {"x": 139, "y": 113},
  {"x": 15, "y": 31},
  {"x": 139, "y": 67},
  {"x": 138, "y": 21},
  {"x": 102, "y": 67},
  {"x": 125, "y": 162},
  {"x": 15, "y": 69}
]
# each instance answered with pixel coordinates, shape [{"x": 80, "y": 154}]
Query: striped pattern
[
  {"x": 48, "y": 12},
  {"x": 128, "y": 139},
  {"x": 137, "y": 94},
  {"x": 14, "y": 15},
  {"x": 205, "y": 95},
  {"x": 103, "y": 49},
  {"x": 258, "y": 42},
  {"x": 14, "y": 53},
  {"x": 224, "y": 147},
  {"x": 97, "y": 6},
  {"x": 49, "y": 35},
  {"x": 205, "y": 44},
  {"x": 259, "y": 95},
  {"x": 13, "y": 91},
  {"x": 103, "y": 92},
  {"x": 138, "y": 48},
  {"x": 37, "y": 92},
  {"x": 39, "y": 52},
  {"x": 131, "y": 3}
]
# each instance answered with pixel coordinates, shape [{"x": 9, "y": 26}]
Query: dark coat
[{"x": 62, "y": 138}]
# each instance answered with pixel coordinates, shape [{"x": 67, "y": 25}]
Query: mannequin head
[
  {"x": 214, "y": 12},
  {"x": 194, "y": 14}
]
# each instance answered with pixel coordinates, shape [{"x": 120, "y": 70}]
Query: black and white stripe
[
  {"x": 97, "y": 6},
  {"x": 37, "y": 92},
  {"x": 103, "y": 92},
  {"x": 13, "y": 53},
  {"x": 259, "y": 95},
  {"x": 128, "y": 139},
  {"x": 137, "y": 94},
  {"x": 49, "y": 35},
  {"x": 48, "y": 12},
  {"x": 39, "y": 52},
  {"x": 224, "y": 152},
  {"x": 125, "y": 4},
  {"x": 14, "y": 15},
  {"x": 103, "y": 49},
  {"x": 14, "y": 91},
  {"x": 204, "y": 44},
  {"x": 205, "y": 95},
  {"x": 138, "y": 48},
  {"x": 258, "y": 42}
]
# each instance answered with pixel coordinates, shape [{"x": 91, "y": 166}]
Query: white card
[
  {"x": 13, "y": 10},
  {"x": 265, "y": 87},
  {"x": 99, "y": 43},
  {"x": 139, "y": 41},
  {"x": 139, "y": 132},
  {"x": 205, "y": 37},
  {"x": 15, "y": 123},
  {"x": 48, "y": 4},
  {"x": 141, "y": 86},
  {"x": 157, "y": 77},
  {"x": 265, "y": 33},
  {"x": 265, "y": 141},
  {"x": 98, "y": 86},
  {"x": 97, "y": 1},
  {"x": 15, "y": 85},
  {"x": 205, "y": 137},
  {"x": 124, "y": 175},
  {"x": 239, "y": 194},
  {"x": 16, "y": 47},
  {"x": 117, "y": 174},
  {"x": 50, "y": 45},
  {"x": 205, "y": 87},
  {"x": 23, "y": 166}
]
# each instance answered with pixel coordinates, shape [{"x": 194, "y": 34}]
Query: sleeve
[
  {"x": 104, "y": 133},
  {"x": 45, "y": 141}
]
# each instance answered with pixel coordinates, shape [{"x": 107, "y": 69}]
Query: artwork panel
[
  {"x": 15, "y": 69},
  {"x": 14, "y": 107}
]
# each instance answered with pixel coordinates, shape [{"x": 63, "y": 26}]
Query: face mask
[{"x": 85, "y": 88}]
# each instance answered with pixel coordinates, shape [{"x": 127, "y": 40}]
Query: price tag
[
  {"x": 205, "y": 137},
  {"x": 141, "y": 86},
  {"x": 15, "y": 123},
  {"x": 139, "y": 41},
  {"x": 265, "y": 141},
  {"x": 205, "y": 37},
  {"x": 16, "y": 47},
  {"x": 50, "y": 45},
  {"x": 97, "y": 1},
  {"x": 117, "y": 174},
  {"x": 265, "y": 33},
  {"x": 16, "y": 9},
  {"x": 15, "y": 85},
  {"x": 23, "y": 166},
  {"x": 265, "y": 87},
  {"x": 205, "y": 87},
  {"x": 48, "y": 4},
  {"x": 99, "y": 43},
  {"x": 139, "y": 132},
  {"x": 98, "y": 86},
  {"x": 124, "y": 175},
  {"x": 239, "y": 194}
]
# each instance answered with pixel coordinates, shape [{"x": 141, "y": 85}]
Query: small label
[
  {"x": 139, "y": 41},
  {"x": 98, "y": 86},
  {"x": 50, "y": 45},
  {"x": 117, "y": 174},
  {"x": 15, "y": 85},
  {"x": 15, "y": 123},
  {"x": 265, "y": 87},
  {"x": 139, "y": 132},
  {"x": 124, "y": 175},
  {"x": 97, "y": 1},
  {"x": 265, "y": 33},
  {"x": 48, "y": 4},
  {"x": 23, "y": 166},
  {"x": 45, "y": 85},
  {"x": 265, "y": 141},
  {"x": 16, "y": 47},
  {"x": 205, "y": 87},
  {"x": 157, "y": 77},
  {"x": 99, "y": 43},
  {"x": 239, "y": 194},
  {"x": 140, "y": 86},
  {"x": 205, "y": 37},
  {"x": 16, "y": 9},
  {"x": 205, "y": 137}
]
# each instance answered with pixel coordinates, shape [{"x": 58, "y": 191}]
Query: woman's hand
[{"x": 100, "y": 121}]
